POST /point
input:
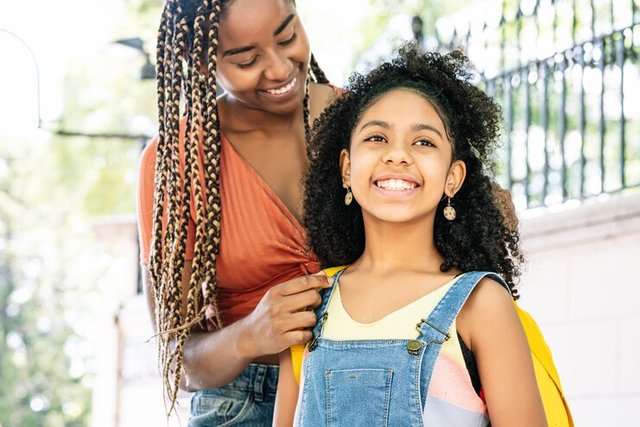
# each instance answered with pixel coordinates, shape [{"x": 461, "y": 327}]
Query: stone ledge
[{"x": 589, "y": 221}]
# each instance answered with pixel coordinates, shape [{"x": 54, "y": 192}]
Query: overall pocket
[{"x": 358, "y": 394}]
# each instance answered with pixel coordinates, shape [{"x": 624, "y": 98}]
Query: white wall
[
  {"x": 582, "y": 286},
  {"x": 127, "y": 387}
]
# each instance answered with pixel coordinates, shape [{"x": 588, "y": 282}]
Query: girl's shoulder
[
  {"x": 489, "y": 294},
  {"x": 489, "y": 304}
]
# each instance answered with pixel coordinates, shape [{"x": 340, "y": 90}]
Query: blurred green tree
[{"x": 52, "y": 268}]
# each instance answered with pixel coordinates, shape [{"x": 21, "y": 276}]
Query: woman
[{"x": 226, "y": 267}]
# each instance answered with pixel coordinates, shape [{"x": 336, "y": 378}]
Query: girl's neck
[{"x": 399, "y": 247}]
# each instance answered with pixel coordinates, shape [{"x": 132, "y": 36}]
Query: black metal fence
[{"x": 567, "y": 74}]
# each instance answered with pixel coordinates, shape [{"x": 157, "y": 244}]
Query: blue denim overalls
[{"x": 377, "y": 382}]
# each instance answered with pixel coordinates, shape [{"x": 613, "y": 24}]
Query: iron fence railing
[{"x": 567, "y": 74}]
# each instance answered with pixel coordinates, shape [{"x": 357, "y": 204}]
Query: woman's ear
[
  {"x": 345, "y": 167},
  {"x": 455, "y": 178}
]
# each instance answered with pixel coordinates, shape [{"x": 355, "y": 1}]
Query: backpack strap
[
  {"x": 555, "y": 404},
  {"x": 297, "y": 351}
]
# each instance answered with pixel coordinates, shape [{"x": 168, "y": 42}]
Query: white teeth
[
  {"x": 395, "y": 184},
  {"x": 283, "y": 89}
]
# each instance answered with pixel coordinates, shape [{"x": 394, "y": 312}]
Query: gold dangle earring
[
  {"x": 448, "y": 211},
  {"x": 348, "y": 198}
]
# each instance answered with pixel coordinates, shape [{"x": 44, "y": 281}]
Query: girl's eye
[
  {"x": 375, "y": 138},
  {"x": 289, "y": 40},
  {"x": 424, "y": 143},
  {"x": 248, "y": 63}
]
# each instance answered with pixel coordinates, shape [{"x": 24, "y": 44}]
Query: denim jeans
[{"x": 246, "y": 401}]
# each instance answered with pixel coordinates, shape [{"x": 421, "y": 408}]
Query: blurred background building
[{"x": 77, "y": 103}]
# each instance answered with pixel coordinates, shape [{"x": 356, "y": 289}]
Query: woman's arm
[
  {"x": 490, "y": 326},
  {"x": 287, "y": 394},
  {"x": 213, "y": 359},
  {"x": 278, "y": 321}
]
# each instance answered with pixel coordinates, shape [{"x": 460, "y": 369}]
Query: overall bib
[{"x": 378, "y": 382}]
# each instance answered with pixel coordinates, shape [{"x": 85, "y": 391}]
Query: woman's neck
[{"x": 237, "y": 117}]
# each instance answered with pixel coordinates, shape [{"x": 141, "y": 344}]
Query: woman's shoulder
[
  {"x": 149, "y": 154},
  {"x": 148, "y": 157},
  {"x": 326, "y": 90},
  {"x": 321, "y": 95}
]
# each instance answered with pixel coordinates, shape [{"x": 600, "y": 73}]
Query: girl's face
[
  {"x": 399, "y": 164},
  {"x": 263, "y": 54}
]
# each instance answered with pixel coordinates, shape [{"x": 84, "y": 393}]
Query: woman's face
[
  {"x": 399, "y": 163},
  {"x": 263, "y": 54}
]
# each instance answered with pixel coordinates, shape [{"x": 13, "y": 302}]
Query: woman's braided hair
[{"x": 187, "y": 41}]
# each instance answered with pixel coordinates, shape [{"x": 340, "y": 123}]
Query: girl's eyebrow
[
  {"x": 372, "y": 123},
  {"x": 417, "y": 127},
  {"x": 424, "y": 126},
  {"x": 243, "y": 49}
]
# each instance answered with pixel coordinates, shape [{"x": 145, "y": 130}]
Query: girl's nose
[{"x": 397, "y": 154}]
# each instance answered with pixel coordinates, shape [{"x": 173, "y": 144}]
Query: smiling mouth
[
  {"x": 284, "y": 89},
  {"x": 395, "y": 184}
]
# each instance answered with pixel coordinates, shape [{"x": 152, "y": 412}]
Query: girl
[
  {"x": 419, "y": 328},
  {"x": 224, "y": 254}
]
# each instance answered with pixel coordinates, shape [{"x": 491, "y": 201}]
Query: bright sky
[
  {"x": 61, "y": 31},
  {"x": 55, "y": 32}
]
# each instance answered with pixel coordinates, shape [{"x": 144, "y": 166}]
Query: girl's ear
[
  {"x": 455, "y": 178},
  {"x": 345, "y": 167}
]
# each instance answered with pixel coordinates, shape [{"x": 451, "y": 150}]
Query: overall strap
[
  {"x": 321, "y": 311},
  {"x": 436, "y": 326}
]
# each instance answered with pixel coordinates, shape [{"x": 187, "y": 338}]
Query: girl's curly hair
[{"x": 479, "y": 238}]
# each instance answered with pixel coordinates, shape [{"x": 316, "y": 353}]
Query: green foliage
[
  {"x": 42, "y": 382},
  {"x": 375, "y": 26},
  {"x": 51, "y": 266}
]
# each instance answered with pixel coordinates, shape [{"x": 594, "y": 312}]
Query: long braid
[
  {"x": 307, "y": 120},
  {"x": 318, "y": 74},
  {"x": 166, "y": 290},
  {"x": 199, "y": 82},
  {"x": 160, "y": 176},
  {"x": 176, "y": 221},
  {"x": 212, "y": 170},
  {"x": 197, "y": 79},
  {"x": 158, "y": 265}
]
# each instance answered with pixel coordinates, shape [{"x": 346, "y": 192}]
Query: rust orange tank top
[{"x": 262, "y": 243}]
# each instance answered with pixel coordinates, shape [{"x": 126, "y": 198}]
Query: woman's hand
[{"x": 282, "y": 318}]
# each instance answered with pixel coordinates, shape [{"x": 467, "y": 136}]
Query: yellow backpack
[
  {"x": 553, "y": 400},
  {"x": 555, "y": 404}
]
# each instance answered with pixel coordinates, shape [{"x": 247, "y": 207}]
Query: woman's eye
[
  {"x": 248, "y": 63},
  {"x": 289, "y": 40}
]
